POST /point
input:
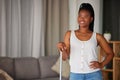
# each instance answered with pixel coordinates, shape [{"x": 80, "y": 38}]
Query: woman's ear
[{"x": 91, "y": 19}]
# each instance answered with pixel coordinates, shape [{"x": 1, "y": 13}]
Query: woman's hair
[{"x": 89, "y": 8}]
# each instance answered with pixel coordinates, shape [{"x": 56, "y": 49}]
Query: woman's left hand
[{"x": 95, "y": 64}]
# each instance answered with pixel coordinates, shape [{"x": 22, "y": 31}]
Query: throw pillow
[
  {"x": 65, "y": 68},
  {"x": 5, "y": 75}
]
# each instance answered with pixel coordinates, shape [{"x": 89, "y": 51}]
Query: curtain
[
  {"x": 111, "y": 18},
  {"x": 22, "y": 28},
  {"x": 57, "y": 21}
]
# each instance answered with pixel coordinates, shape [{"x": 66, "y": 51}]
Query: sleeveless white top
[{"x": 82, "y": 53}]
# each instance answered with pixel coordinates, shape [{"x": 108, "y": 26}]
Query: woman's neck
[{"x": 84, "y": 31}]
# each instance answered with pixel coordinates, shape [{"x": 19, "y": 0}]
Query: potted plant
[{"x": 107, "y": 35}]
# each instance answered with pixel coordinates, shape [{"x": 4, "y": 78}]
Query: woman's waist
[
  {"x": 81, "y": 68},
  {"x": 82, "y": 64}
]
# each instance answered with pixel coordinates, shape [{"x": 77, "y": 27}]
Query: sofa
[{"x": 30, "y": 68}]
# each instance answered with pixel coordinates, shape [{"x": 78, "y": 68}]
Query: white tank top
[{"x": 82, "y": 53}]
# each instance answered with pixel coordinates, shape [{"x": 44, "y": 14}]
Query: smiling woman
[{"x": 80, "y": 46}]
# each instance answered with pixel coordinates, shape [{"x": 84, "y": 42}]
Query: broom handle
[{"x": 60, "y": 78}]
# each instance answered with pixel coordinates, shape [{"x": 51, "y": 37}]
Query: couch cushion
[
  {"x": 45, "y": 66},
  {"x": 6, "y": 64},
  {"x": 26, "y": 68}
]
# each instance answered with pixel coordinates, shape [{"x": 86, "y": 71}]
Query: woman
[{"x": 80, "y": 45}]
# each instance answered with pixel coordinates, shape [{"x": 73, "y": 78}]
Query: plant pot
[{"x": 107, "y": 36}]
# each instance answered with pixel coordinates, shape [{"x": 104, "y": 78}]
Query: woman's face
[{"x": 84, "y": 19}]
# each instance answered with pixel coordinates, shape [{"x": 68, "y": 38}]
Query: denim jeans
[{"x": 89, "y": 76}]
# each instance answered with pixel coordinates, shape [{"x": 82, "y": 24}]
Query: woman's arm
[
  {"x": 109, "y": 52},
  {"x": 65, "y": 46},
  {"x": 106, "y": 47}
]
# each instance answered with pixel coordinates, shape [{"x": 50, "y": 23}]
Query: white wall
[{"x": 73, "y": 8}]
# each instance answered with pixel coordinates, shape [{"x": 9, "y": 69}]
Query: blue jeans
[{"x": 89, "y": 76}]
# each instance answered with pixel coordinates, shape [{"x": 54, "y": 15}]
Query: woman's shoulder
[
  {"x": 68, "y": 32},
  {"x": 100, "y": 37}
]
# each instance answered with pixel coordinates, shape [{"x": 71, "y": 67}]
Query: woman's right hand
[{"x": 62, "y": 47}]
